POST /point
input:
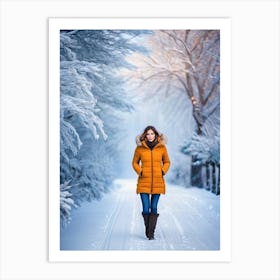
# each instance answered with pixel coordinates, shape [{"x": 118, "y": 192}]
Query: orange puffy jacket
[{"x": 154, "y": 165}]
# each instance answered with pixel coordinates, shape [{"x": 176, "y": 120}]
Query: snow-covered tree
[
  {"x": 78, "y": 108},
  {"x": 205, "y": 149},
  {"x": 66, "y": 203}
]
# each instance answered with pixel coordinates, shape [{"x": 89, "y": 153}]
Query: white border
[{"x": 55, "y": 24}]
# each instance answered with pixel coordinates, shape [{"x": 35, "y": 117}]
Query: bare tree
[{"x": 188, "y": 61}]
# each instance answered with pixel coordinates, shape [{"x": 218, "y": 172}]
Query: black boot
[
  {"x": 146, "y": 222},
  {"x": 152, "y": 225}
]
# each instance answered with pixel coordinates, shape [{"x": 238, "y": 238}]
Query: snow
[{"x": 189, "y": 220}]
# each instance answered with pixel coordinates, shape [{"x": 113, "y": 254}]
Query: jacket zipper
[{"x": 152, "y": 170}]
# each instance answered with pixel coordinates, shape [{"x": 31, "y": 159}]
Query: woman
[{"x": 152, "y": 153}]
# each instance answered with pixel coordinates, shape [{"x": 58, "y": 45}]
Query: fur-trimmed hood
[{"x": 162, "y": 139}]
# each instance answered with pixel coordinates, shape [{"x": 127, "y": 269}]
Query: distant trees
[
  {"x": 205, "y": 151},
  {"x": 91, "y": 101},
  {"x": 187, "y": 61}
]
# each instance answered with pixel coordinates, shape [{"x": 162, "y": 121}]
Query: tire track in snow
[
  {"x": 137, "y": 228},
  {"x": 104, "y": 244},
  {"x": 189, "y": 218},
  {"x": 162, "y": 239},
  {"x": 172, "y": 230}
]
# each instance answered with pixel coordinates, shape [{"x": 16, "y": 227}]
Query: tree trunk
[
  {"x": 207, "y": 176},
  {"x": 218, "y": 184},
  {"x": 196, "y": 170},
  {"x": 213, "y": 177},
  {"x": 212, "y": 174}
]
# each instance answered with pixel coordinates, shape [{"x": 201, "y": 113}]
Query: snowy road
[{"x": 189, "y": 220}]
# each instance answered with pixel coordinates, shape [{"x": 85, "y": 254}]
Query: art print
[{"x": 139, "y": 140}]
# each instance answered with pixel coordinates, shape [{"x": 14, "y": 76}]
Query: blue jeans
[{"x": 147, "y": 203}]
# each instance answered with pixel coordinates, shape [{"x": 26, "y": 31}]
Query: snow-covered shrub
[
  {"x": 203, "y": 149},
  {"x": 206, "y": 146},
  {"x": 66, "y": 203}
]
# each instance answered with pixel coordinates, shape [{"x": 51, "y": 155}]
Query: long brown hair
[{"x": 143, "y": 135}]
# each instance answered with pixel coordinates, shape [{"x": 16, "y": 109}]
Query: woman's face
[{"x": 150, "y": 135}]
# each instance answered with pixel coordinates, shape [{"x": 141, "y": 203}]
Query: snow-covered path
[{"x": 189, "y": 220}]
